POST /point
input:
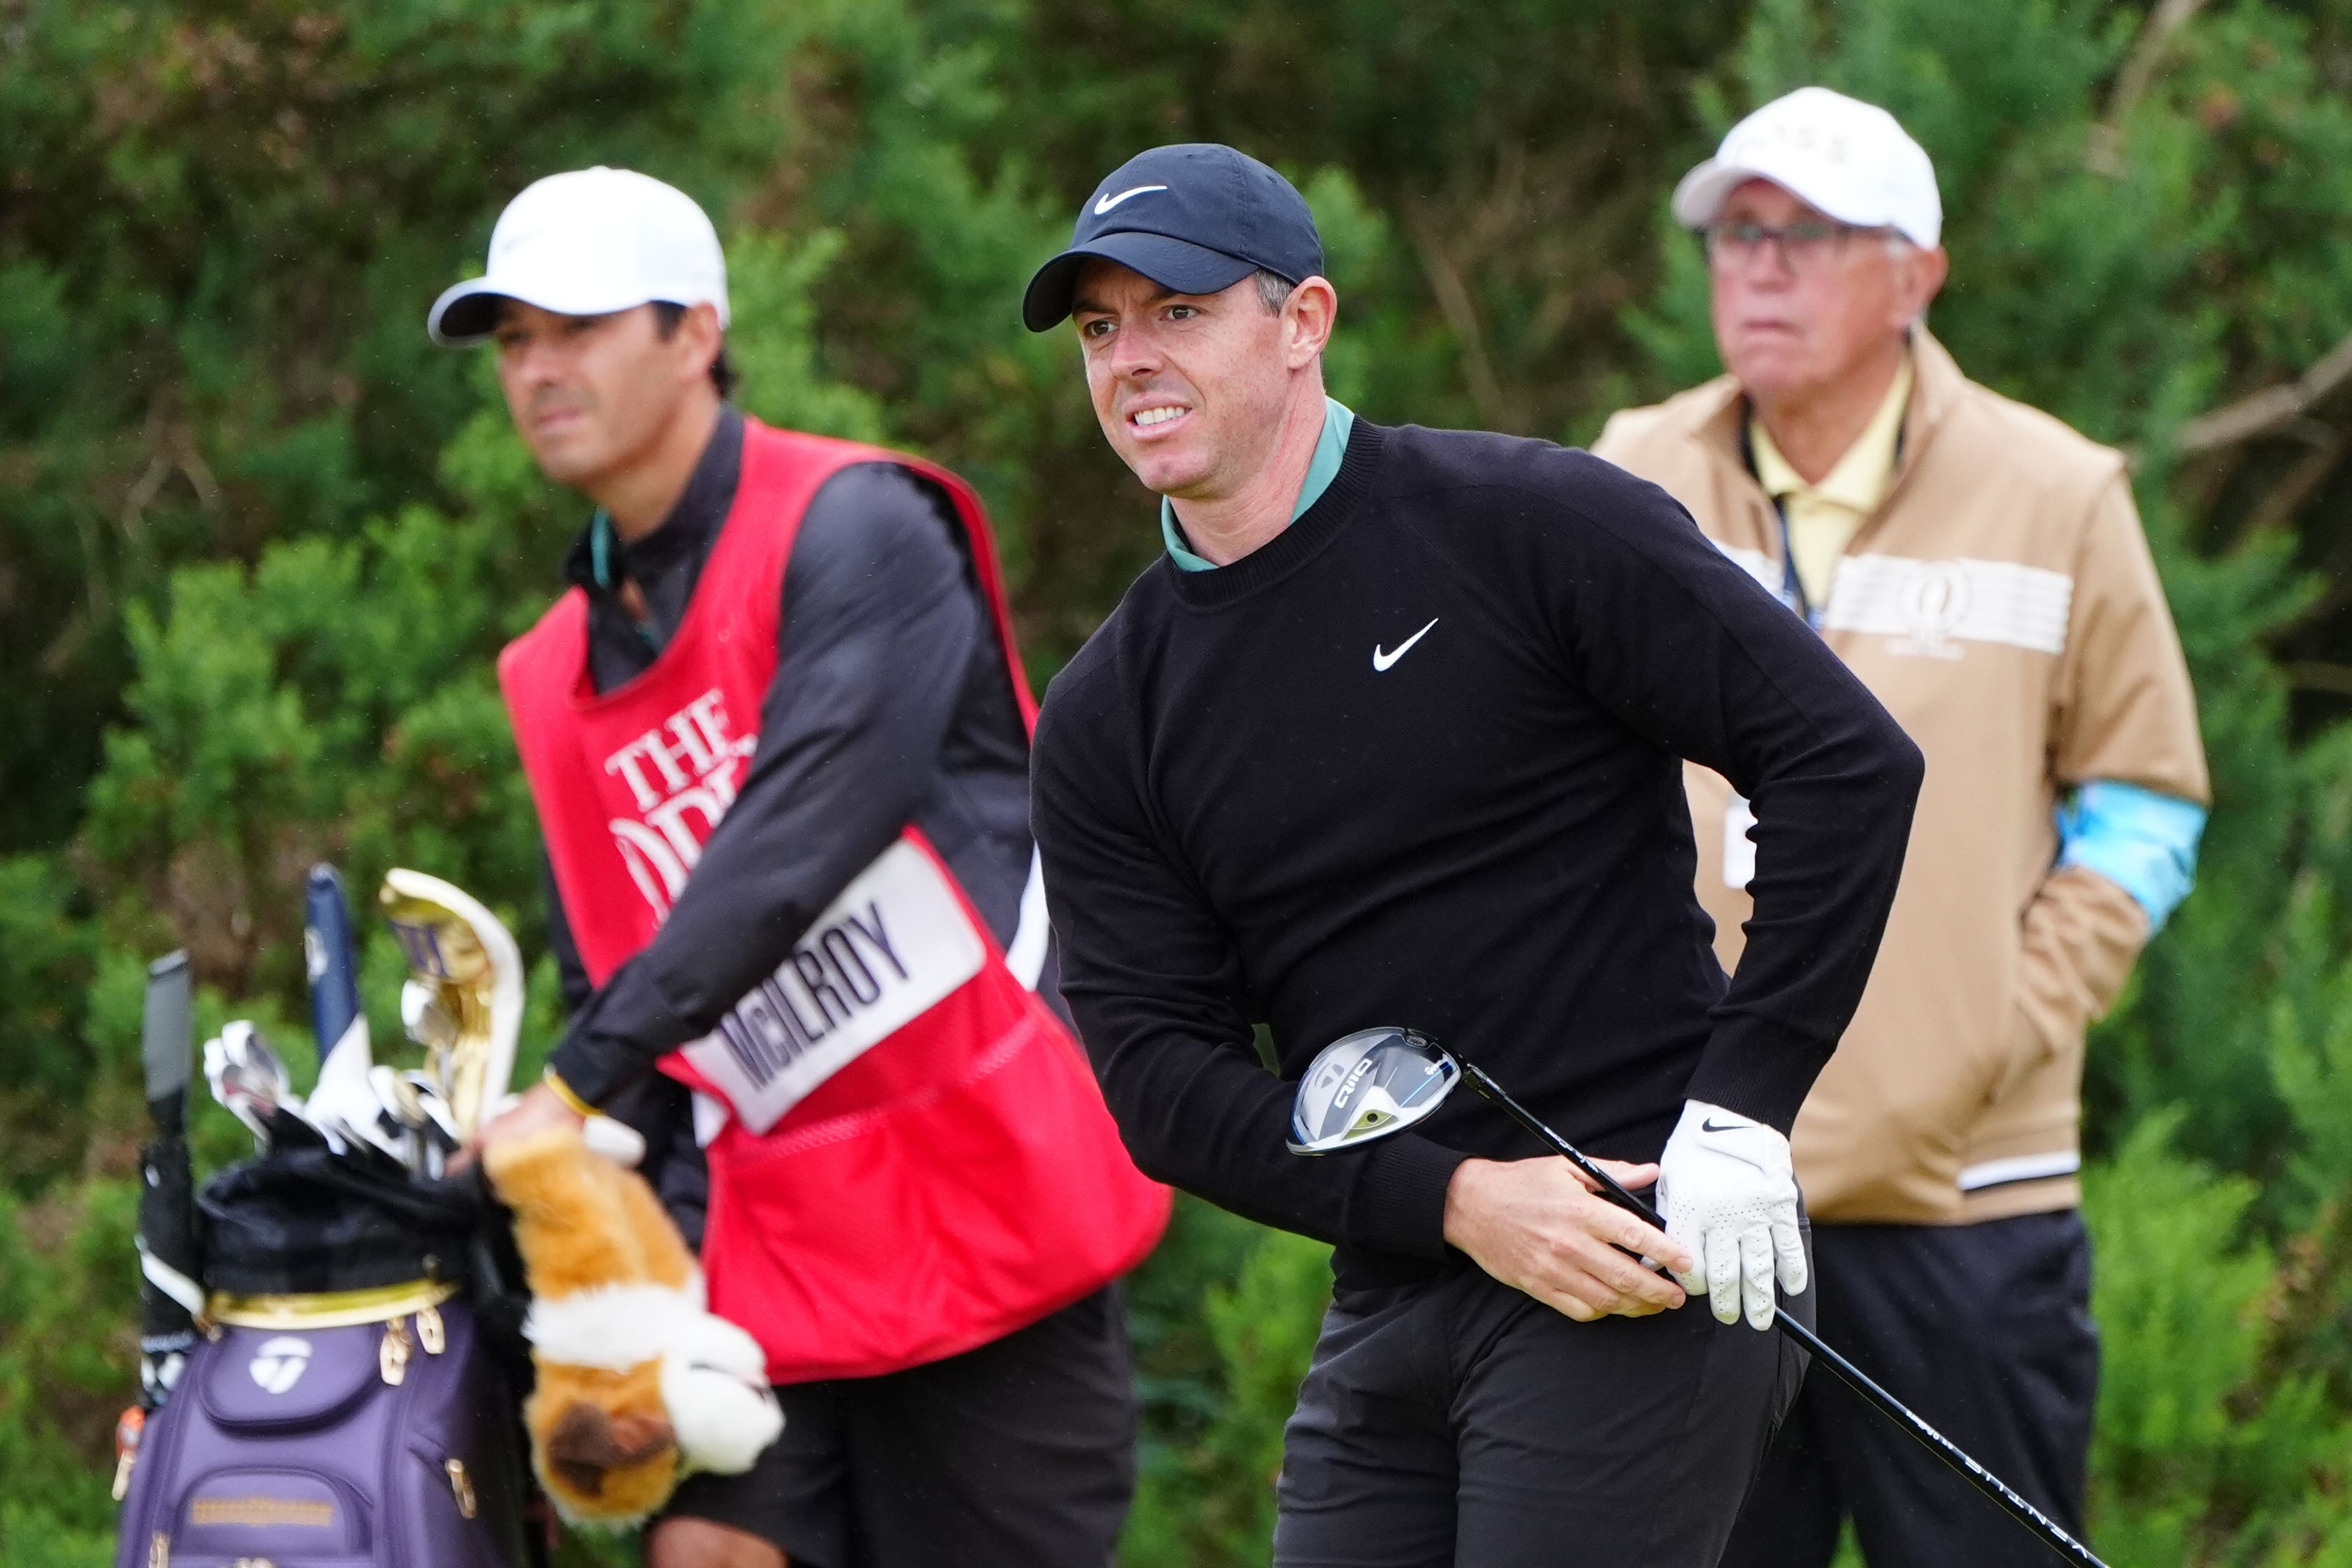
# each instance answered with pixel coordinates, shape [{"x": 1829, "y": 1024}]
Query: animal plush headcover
[{"x": 638, "y": 1384}]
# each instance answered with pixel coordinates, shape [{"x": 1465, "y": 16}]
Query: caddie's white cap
[
  {"x": 586, "y": 243},
  {"x": 1847, "y": 158}
]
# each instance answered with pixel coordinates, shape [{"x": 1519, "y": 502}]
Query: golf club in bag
[
  {"x": 169, "y": 1297},
  {"x": 330, "y": 957},
  {"x": 354, "y": 1101},
  {"x": 1376, "y": 1082}
]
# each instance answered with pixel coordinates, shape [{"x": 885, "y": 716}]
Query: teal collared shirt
[{"x": 1330, "y": 447}]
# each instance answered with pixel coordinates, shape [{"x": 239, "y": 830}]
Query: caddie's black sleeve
[
  {"x": 879, "y": 623},
  {"x": 571, "y": 975},
  {"x": 1684, "y": 647}
]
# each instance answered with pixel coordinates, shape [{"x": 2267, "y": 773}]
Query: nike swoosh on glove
[{"x": 1729, "y": 1195}]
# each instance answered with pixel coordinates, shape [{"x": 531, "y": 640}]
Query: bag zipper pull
[
  {"x": 159, "y": 1551},
  {"x": 428, "y": 1331},
  {"x": 392, "y": 1355},
  {"x": 462, "y": 1485}
]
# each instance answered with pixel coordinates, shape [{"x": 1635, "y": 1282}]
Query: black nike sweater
[{"x": 1418, "y": 761}]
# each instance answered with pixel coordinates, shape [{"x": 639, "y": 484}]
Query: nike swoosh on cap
[{"x": 1106, "y": 203}]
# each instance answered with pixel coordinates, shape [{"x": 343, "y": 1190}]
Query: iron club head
[
  {"x": 440, "y": 1133},
  {"x": 247, "y": 1076},
  {"x": 1367, "y": 1085},
  {"x": 425, "y": 1018}
]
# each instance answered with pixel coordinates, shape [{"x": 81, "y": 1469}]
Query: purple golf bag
[
  {"x": 385, "y": 1443},
  {"x": 353, "y": 1401}
]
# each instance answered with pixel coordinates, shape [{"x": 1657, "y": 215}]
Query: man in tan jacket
[{"x": 1982, "y": 568}]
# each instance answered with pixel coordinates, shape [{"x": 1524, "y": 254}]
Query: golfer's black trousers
[
  {"x": 1459, "y": 1422},
  {"x": 1985, "y": 1330}
]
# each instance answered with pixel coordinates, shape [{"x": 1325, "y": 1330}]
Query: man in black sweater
[{"x": 1394, "y": 737}]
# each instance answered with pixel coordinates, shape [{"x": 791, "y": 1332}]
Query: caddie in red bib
[{"x": 776, "y": 735}]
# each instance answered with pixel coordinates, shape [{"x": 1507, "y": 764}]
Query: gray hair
[{"x": 1273, "y": 289}]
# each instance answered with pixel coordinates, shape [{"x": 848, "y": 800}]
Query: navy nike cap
[{"x": 1195, "y": 218}]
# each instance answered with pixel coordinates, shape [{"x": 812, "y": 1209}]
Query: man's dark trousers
[
  {"x": 1458, "y": 1423},
  {"x": 1985, "y": 1330}
]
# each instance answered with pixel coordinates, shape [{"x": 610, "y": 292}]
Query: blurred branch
[
  {"x": 2148, "y": 53},
  {"x": 1461, "y": 313},
  {"x": 2284, "y": 498},
  {"x": 2105, "y": 153},
  {"x": 2313, "y": 674},
  {"x": 2270, "y": 410}
]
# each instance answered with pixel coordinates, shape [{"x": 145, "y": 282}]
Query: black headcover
[{"x": 305, "y": 1220}]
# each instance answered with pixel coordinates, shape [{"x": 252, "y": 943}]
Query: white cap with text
[{"x": 1850, "y": 160}]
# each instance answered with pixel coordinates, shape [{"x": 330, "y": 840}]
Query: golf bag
[{"x": 353, "y": 1401}]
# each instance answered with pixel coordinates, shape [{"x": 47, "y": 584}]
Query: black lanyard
[{"x": 1792, "y": 587}]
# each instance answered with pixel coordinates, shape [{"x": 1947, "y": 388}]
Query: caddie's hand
[
  {"x": 539, "y": 1108},
  {"x": 1536, "y": 1226},
  {"x": 1729, "y": 1198}
]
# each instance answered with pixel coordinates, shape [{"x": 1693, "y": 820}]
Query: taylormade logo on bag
[
  {"x": 892, "y": 944},
  {"x": 277, "y": 1365},
  {"x": 682, "y": 776}
]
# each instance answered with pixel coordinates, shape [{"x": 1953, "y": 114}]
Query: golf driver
[{"x": 1376, "y": 1082}]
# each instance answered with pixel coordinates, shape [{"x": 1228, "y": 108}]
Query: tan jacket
[{"x": 2002, "y": 603}]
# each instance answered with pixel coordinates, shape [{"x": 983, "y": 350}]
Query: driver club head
[{"x": 1367, "y": 1085}]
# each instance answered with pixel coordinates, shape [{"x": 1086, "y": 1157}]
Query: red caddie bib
[{"x": 915, "y": 1158}]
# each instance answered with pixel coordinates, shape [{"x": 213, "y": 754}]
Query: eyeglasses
[{"x": 1806, "y": 247}]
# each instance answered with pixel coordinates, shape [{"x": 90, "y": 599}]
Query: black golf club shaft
[{"x": 1984, "y": 1480}]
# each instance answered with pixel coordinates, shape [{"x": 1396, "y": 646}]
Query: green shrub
[
  {"x": 1206, "y": 1493},
  {"x": 2213, "y": 1447},
  {"x": 68, "y": 1363}
]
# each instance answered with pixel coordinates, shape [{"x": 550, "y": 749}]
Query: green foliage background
[{"x": 258, "y": 542}]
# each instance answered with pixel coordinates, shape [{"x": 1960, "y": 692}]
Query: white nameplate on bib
[{"x": 895, "y": 942}]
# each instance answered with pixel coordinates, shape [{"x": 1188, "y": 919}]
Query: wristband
[{"x": 562, "y": 1090}]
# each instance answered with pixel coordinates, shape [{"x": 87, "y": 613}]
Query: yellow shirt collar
[{"x": 1858, "y": 480}]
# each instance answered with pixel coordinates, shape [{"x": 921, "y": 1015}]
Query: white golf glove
[{"x": 1728, "y": 1193}]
